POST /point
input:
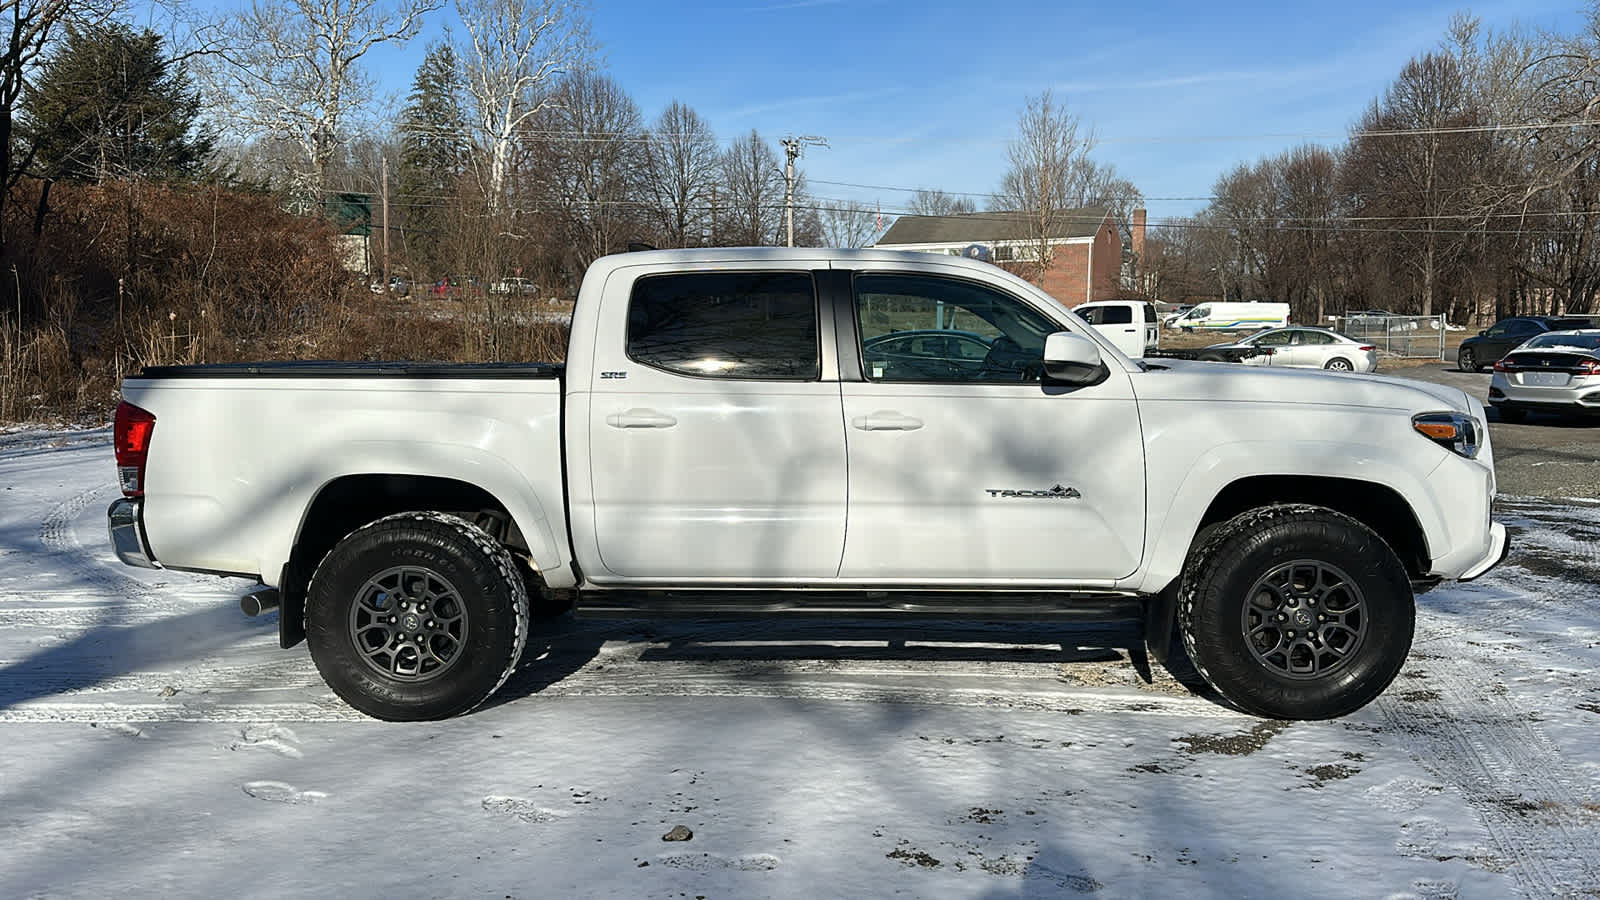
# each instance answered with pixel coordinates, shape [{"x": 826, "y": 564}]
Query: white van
[
  {"x": 1130, "y": 324},
  {"x": 1252, "y": 315}
]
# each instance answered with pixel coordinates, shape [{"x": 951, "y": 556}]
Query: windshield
[{"x": 1566, "y": 339}]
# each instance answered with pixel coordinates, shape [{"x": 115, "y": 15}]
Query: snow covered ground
[{"x": 155, "y": 742}]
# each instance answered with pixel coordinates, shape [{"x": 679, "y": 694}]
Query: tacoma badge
[{"x": 1056, "y": 493}]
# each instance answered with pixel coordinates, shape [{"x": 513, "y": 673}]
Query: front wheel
[
  {"x": 1467, "y": 360},
  {"x": 416, "y": 616},
  {"x": 1296, "y": 612}
]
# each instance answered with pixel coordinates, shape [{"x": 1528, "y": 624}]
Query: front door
[
  {"x": 984, "y": 473},
  {"x": 716, "y": 446}
]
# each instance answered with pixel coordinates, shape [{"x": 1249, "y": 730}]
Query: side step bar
[{"x": 980, "y": 606}]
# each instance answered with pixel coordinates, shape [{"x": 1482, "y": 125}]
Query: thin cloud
[
  {"x": 796, "y": 102},
  {"x": 797, "y": 4}
]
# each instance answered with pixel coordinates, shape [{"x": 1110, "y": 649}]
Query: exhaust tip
[{"x": 261, "y": 600}]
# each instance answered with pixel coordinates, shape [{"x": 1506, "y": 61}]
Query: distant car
[
  {"x": 456, "y": 286},
  {"x": 514, "y": 284},
  {"x": 1307, "y": 348},
  {"x": 1556, "y": 372},
  {"x": 397, "y": 285},
  {"x": 931, "y": 354},
  {"x": 1500, "y": 338}
]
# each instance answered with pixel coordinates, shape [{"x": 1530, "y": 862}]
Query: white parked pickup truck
[{"x": 740, "y": 432}]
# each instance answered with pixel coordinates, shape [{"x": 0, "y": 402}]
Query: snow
[{"x": 157, "y": 742}]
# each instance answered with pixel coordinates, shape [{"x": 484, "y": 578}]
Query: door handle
[
  {"x": 886, "y": 421},
  {"x": 640, "y": 418}
]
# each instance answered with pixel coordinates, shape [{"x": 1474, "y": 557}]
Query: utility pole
[
  {"x": 793, "y": 147},
  {"x": 385, "y": 166}
]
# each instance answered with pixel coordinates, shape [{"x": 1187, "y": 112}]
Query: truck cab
[{"x": 1130, "y": 325}]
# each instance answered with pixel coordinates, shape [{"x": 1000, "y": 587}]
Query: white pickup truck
[{"x": 808, "y": 432}]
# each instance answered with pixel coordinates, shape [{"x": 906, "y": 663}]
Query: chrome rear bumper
[{"x": 126, "y": 526}]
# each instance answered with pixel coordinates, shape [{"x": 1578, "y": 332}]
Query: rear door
[
  {"x": 987, "y": 475},
  {"x": 716, "y": 445}
]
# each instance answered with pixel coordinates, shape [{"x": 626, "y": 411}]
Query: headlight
[{"x": 1457, "y": 432}]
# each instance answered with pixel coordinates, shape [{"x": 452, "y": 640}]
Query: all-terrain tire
[
  {"x": 1280, "y": 562},
  {"x": 416, "y": 616}
]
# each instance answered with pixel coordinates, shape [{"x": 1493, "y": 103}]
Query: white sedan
[{"x": 1309, "y": 348}]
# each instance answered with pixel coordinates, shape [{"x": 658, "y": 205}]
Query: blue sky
[{"x": 927, "y": 94}]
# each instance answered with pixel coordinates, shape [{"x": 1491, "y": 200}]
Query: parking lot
[{"x": 1546, "y": 457}]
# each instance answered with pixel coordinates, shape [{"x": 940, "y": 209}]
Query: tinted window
[
  {"x": 726, "y": 324},
  {"x": 1150, "y": 312},
  {"x": 1106, "y": 315},
  {"x": 1565, "y": 339},
  {"x": 1015, "y": 332}
]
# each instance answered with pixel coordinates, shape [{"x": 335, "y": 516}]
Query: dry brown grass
[{"x": 132, "y": 275}]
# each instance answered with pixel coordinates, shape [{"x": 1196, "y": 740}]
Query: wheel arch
[
  {"x": 1377, "y": 506},
  {"x": 348, "y": 502}
]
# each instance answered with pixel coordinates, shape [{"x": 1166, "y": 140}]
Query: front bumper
[
  {"x": 1499, "y": 546},
  {"x": 125, "y": 523}
]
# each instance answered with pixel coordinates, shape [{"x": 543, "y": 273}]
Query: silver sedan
[
  {"x": 1310, "y": 348},
  {"x": 1557, "y": 372}
]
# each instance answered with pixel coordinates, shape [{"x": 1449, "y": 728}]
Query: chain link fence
[{"x": 1410, "y": 337}]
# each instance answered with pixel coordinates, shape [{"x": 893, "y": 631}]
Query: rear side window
[
  {"x": 1107, "y": 315},
  {"x": 726, "y": 325}
]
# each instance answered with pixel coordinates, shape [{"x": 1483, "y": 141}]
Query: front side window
[
  {"x": 759, "y": 325},
  {"x": 1275, "y": 339},
  {"x": 921, "y": 328}
]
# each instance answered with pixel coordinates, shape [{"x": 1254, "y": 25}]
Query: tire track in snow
[{"x": 1507, "y": 770}]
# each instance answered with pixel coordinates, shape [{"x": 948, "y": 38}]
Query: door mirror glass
[{"x": 1073, "y": 359}]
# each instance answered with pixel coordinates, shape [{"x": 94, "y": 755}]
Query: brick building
[{"x": 1086, "y": 258}]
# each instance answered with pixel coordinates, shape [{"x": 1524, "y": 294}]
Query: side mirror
[
  {"x": 1073, "y": 359},
  {"x": 1483, "y": 333}
]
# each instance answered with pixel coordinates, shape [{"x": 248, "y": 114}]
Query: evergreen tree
[
  {"x": 433, "y": 140},
  {"x": 110, "y": 104}
]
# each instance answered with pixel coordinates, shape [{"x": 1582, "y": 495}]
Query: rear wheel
[
  {"x": 416, "y": 616},
  {"x": 1296, "y": 612},
  {"x": 1339, "y": 364}
]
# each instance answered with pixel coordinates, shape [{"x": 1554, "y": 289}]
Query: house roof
[{"x": 984, "y": 227}]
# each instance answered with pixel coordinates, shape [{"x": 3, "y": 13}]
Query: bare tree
[
  {"x": 1410, "y": 164},
  {"x": 681, "y": 170},
  {"x": 849, "y": 224},
  {"x": 1050, "y": 171},
  {"x": 27, "y": 29},
  {"x": 294, "y": 68},
  {"x": 588, "y": 164},
  {"x": 927, "y": 202},
  {"x": 752, "y": 179},
  {"x": 516, "y": 51}
]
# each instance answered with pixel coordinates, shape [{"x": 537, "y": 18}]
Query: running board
[{"x": 970, "y": 605}]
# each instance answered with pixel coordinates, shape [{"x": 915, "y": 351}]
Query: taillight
[
  {"x": 131, "y": 438},
  {"x": 1366, "y": 349},
  {"x": 1501, "y": 366},
  {"x": 1589, "y": 367}
]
